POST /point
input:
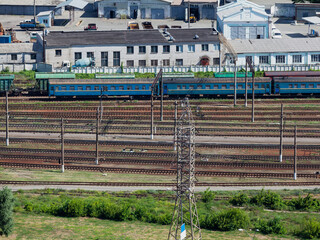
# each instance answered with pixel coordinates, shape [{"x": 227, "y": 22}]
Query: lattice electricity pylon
[{"x": 185, "y": 210}]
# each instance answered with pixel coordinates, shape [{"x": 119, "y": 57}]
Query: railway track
[
  {"x": 156, "y": 171},
  {"x": 133, "y": 184}
]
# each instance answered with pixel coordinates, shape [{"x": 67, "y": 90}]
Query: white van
[{"x": 276, "y": 33}]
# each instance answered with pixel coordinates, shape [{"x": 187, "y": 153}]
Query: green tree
[{"x": 6, "y": 206}]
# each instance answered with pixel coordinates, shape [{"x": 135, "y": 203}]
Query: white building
[
  {"x": 285, "y": 51},
  {"x": 243, "y": 20},
  {"x": 46, "y": 18},
  {"x": 134, "y": 48},
  {"x": 153, "y": 9}
]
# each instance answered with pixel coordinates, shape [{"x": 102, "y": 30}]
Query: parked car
[
  {"x": 276, "y": 33},
  {"x": 91, "y": 26}
]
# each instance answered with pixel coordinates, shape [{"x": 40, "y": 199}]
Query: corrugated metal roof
[
  {"x": 313, "y": 20},
  {"x": 6, "y": 76},
  {"x": 73, "y": 3},
  {"x": 276, "y": 45},
  {"x": 45, "y": 13},
  {"x": 17, "y": 48},
  {"x": 55, "y": 75},
  {"x": 30, "y": 2}
]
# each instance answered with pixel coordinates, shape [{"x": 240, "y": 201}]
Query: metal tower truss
[{"x": 185, "y": 222}]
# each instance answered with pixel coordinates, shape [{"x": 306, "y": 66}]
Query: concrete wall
[
  {"x": 189, "y": 58},
  {"x": 283, "y": 10}
]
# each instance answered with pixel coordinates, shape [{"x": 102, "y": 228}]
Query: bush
[
  {"x": 239, "y": 199},
  {"x": 310, "y": 229},
  {"x": 207, "y": 196},
  {"x": 307, "y": 203},
  {"x": 227, "y": 220},
  {"x": 6, "y": 207},
  {"x": 271, "y": 226},
  {"x": 268, "y": 199}
]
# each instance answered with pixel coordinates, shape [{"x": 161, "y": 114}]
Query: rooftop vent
[{"x": 196, "y": 37}]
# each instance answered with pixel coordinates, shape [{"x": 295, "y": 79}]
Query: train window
[
  {"x": 248, "y": 86},
  {"x": 121, "y": 88},
  {"x": 199, "y": 86},
  {"x": 215, "y": 87},
  {"x": 57, "y": 88},
  {"x": 231, "y": 86},
  {"x": 256, "y": 86},
  {"x": 129, "y": 87},
  {"x": 277, "y": 86},
  {"x": 318, "y": 85},
  {"x": 105, "y": 88},
  {"x": 178, "y": 87},
  {"x": 290, "y": 85},
  {"x": 240, "y": 86},
  {"x": 268, "y": 86},
  {"x": 296, "y": 86},
  {"x": 143, "y": 87},
  {"x": 52, "y": 88},
  {"x": 262, "y": 86},
  {"x": 136, "y": 87},
  {"x": 63, "y": 88},
  {"x": 184, "y": 87},
  {"x": 113, "y": 88},
  {"x": 88, "y": 88},
  {"x": 191, "y": 87},
  {"x": 207, "y": 86},
  {"x": 80, "y": 88},
  {"x": 311, "y": 86},
  {"x": 149, "y": 87},
  {"x": 71, "y": 88},
  {"x": 96, "y": 87},
  {"x": 223, "y": 86},
  {"x": 303, "y": 86}
]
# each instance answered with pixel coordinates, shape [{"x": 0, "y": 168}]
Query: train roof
[
  {"x": 99, "y": 81},
  {"x": 212, "y": 80},
  {"x": 296, "y": 79},
  {"x": 292, "y": 74}
]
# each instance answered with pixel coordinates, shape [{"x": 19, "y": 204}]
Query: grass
[{"x": 33, "y": 226}]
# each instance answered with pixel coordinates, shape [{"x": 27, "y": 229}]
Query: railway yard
[{"x": 230, "y": 149}]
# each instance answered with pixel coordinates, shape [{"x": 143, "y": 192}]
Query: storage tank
[{"x": 84, "y": 62}]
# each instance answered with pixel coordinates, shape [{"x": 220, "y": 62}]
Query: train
[{"x": 65, "y": 85}]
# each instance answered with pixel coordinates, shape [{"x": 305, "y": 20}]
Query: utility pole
[
  {"x": 246, "y": 87},
  {"x": 7, "y": 119},
  {"x": 101, "y": 107},
  {"x": 175, "y": 126},
  {"x": 151, "y": 125},
  {"x": 62, "y": 146},
  {"x": 252, "y": 112},
  {"x": 161, "y": 101},
  {"x": 295, "y": 154},
  {"x": 185, "y": 222},
  {"x": 188, "y": 13},
  {"x": 235, "y": 82},
  {"x": 97, "y": 138},
  {"x": 281, "y": 133},
  {"x": 34, "y": 11}
]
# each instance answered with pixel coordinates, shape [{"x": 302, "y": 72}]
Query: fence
[
  {"x": 214, "y": 68},
  {"x": 17, "y": 67}
]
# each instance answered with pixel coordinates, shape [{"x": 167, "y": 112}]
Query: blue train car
[
  {"x": 99, "y": 87},
  {"x": 296, "y": 85},
  {"x": 214, "y": 87}
]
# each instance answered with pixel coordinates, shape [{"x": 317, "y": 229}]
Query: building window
[
  {"x": 130, "y": 50},
  {"x": 45, "y": 21},
  {"x": 297, "y": 59},
  {"x": 58, "y": 52},
  {"x": 315, "y": 57},
  {"x": 166, "y": 48},
  {"x": 205, "y": 47},
  {"x": 142, "y": 49},
  {"x": 142, "y": 63},
  {"x": 250, "y": 59},
  {"x": 77, "y": 56},
  {"x": 104, "y": 59},
  {"x": 305, "y": 14},
  {"x": 280, "y": 59},
  {"x": 14, "y": 57},
  {"x": 154, "y": 49},
  {"x": 166, "y": 62},
  {"x": 33, "y": 56},
  {"x": 179, "y": 62},
  {"x": 130, "y": 63},
  {"x": 90, "y": 55},
  {"x": 154, "y": 63},
  {"x": 179, "y": 48},
  {"x": 216, "y": 46},
  {"x": 191, "y": 48},
  {"x": 116, "y": 59},
  {"x": 263, "y": 59}
]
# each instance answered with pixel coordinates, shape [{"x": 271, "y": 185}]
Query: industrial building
[
  {"x": 243, "y": 20},
  {"x": 289, "y": 51},
  {"x": 132, "y": 48}
]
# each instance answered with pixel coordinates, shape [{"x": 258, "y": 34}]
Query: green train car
[
  {"x": 6, "y": 82},
  {"x": 231, "y": 74}
]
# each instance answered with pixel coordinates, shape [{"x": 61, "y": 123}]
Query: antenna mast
[{"x": 185, "y": 222}]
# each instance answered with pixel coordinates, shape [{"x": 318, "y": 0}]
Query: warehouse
[{"x": 134, "y": 48}]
